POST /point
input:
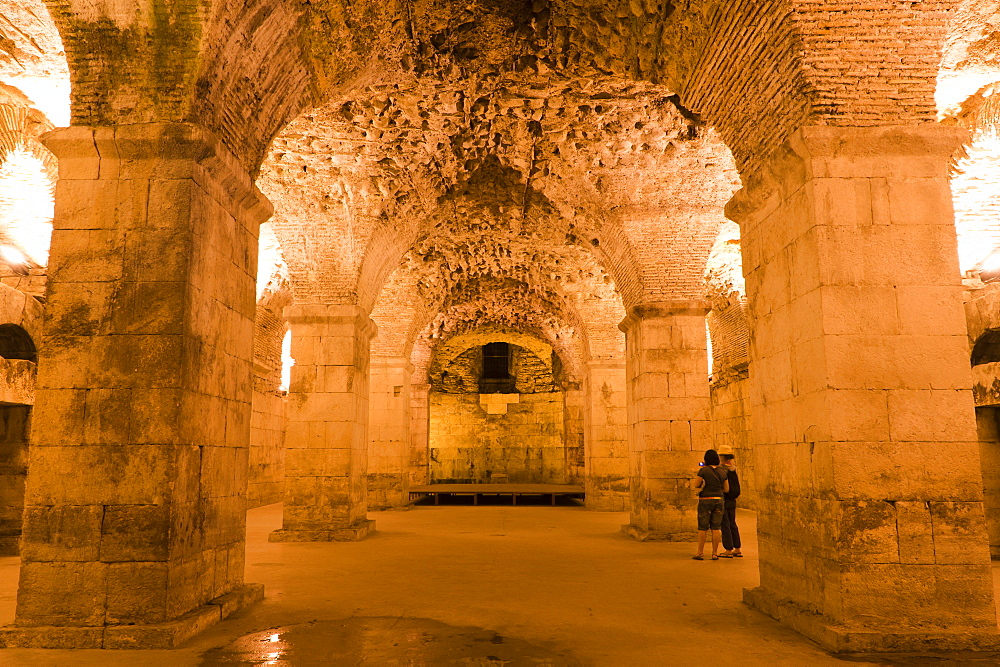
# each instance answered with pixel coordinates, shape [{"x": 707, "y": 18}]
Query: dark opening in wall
[
  {"x": 496, "y": 377},
  {"x": 987, "y": 348},
  {"x": 15, "y": 343}
]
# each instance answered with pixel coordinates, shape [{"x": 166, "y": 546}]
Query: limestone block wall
[
  {"x": 419, "y": 427},
  {"x": 606, "y": 422},
  {"x": 484, "y": 438},
  {"x": 389, "y": 434},
  {"x": 267, "y": 449},
  {"x": 266, "y": 476},
  {"x": 731, "y": 426},
  {"x": 573, "y": 428}
]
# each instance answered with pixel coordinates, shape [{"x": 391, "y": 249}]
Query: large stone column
[
  {"x": 606, "y": 437},
  {"x": 389, "y": 433},
  {"x": 420, "y": 409},
  {"x": 871, "y": 528},
  {"x": 666, "y": 366},
  {"x": 135, "y": 505},
  {"x": 327, "y": 437}
]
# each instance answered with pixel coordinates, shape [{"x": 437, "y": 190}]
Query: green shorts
[{"x": 710, "y": 513}]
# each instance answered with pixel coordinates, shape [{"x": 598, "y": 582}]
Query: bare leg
[
  {"x": 701, "y": 542},
  {"x": 716, "y": 534}
]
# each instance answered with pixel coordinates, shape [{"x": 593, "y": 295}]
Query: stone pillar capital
[
  {"x": 158, "y": 151},
  {"x": 393, "y": 363},
  {"x": 664, "y": 309},
  {"x": 301, "y": 315},
  {"x": 826, "y": 151},
  {"x": 605, "y": 365}
]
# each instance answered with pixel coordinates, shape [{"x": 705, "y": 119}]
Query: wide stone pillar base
[
  {"x": 353, "y": 533},
  {"x": 170, "y": 634},
  {"x": 847, "y": 639},
  {"x": 646, "y": 535}
]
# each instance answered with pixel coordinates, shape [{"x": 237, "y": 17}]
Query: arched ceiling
[{"x": 508, "y": 192}]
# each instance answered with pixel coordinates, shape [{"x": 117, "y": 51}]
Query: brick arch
[
  {"x": 562, "y": 330},
  {"x": 243, "y": 70},
  {"x": 17, "y": 308},
  {"x": 446, "y": 350}
]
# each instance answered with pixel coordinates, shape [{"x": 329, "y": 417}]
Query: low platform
[{"x": 512, "y": 490}]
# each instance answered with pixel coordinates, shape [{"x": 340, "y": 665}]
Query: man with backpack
[{"x": 730, "y": 531}]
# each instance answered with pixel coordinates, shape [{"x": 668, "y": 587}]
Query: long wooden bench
[{"x": 513, "y": 490}]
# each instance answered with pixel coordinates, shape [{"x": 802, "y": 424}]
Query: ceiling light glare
[
  {"x": 13, "y": 256},
  {"x": 992, "y": 262}
]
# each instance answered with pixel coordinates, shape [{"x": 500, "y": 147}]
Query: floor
[{"x": 486, "y": 585}]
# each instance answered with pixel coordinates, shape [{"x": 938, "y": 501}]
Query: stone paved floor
[{"x": 485, "y": 585}]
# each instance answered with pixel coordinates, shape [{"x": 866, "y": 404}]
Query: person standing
[
  {"x": 730, "y": 531},
  {"x": 710, "y": 486}
]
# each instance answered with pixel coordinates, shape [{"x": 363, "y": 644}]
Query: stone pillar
[
  {"x": 574, "y": 405},
  {"x": 135, "y": 504},
  {"x": 871, "y": 527},
  {"x": 420, "y": 411},
  {"x": 606, "y": 437},
  {"x": 326, "y": 437},
  {"x": 666, "y": 366},
  {"x": 389, "y": 434}
]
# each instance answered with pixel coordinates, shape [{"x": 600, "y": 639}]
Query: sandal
[
  {"x": 737, "y": 555},
  {"x": 726, "y": 555},
  {"x": 714, "y": 557},
  {"x": 698, "y": 557}
]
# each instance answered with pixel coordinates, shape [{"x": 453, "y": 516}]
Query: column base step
[
  {"x": 646, "y": 535},
  {"x": 354, "y": 533},
  {"x": 170, "y": 634},
  {"x": 850, "y": 639}
]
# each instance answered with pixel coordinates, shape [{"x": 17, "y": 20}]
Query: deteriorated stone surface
[{"x": 490, "y": 438}]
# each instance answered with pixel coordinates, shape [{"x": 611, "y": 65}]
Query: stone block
[
  {"x": 56, "y": 637},
  {"x": 925, "y": 310},
  {"x": 62, "y": 594},
  {"x": 349, "y": 533},
  {"x": 135, "y": 533},
  {"x": 866, "y": 533},
  {"x": 959, "y": 533},
  {"x": 111, "y": 474},
  {"x": 857, "y": 415},
  {"x": 149, "y": 308},
  {"x": 86, "y": 255},
  {"x": 137, "y": 593},
  {"x": 61, "y": 533},
  {"x": 317, "y": 462},
  {"x": 931, "y": 415},
  {"x": 239, "y": 599},
  {"x": 162, "y": 635},
  {"x": 158, "y": 254}
]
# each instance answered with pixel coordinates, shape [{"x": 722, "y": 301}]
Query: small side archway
[{"x": 20, "y": 318}]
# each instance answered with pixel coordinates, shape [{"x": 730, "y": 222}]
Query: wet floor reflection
[{"x": 382, "y": 641}]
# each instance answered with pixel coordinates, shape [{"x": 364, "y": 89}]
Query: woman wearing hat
[{"x": 730, "y": 531}]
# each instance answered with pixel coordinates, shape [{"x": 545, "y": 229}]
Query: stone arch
[
  {"x": 987, "y": 348},
  {"x": 789, "y": 44},
  {"x": 453, "y": 346}
]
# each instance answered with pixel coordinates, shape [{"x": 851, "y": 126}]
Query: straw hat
[{"x": 725, "y": 449}]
